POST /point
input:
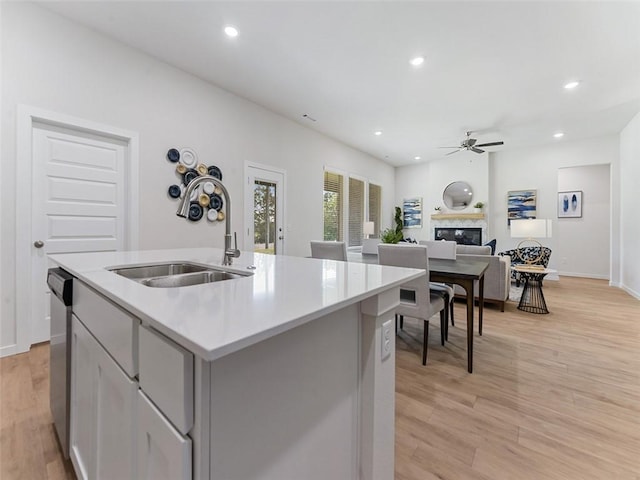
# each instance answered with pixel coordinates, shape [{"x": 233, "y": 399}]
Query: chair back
[
  {"x": 329, "y": 250},
  {"x": 440, "y": 248},
  {"x": 415, "y": 297}
]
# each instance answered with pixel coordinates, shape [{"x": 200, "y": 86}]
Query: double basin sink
[{"x": 172, "y": 275}]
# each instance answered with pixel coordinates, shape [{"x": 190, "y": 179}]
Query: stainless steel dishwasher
[{"x": 61, "y": 286}]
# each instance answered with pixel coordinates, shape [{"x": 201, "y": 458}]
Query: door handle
[{"x": 38, "y": 244}]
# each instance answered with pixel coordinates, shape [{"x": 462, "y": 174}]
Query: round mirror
[{"x": 457, "y": 195}]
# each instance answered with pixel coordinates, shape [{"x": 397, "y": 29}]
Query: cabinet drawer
[
  {"x": 166, "y": 377},
  {"x": 163, "y": 454},
  {"x": 113, "y": 327}
]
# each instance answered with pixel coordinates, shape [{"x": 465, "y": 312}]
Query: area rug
[{"x": 515, "y": 293}]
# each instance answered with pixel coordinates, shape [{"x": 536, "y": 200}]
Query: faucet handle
[{"x": 235, "y": 240}]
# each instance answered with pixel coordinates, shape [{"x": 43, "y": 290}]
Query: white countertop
[{"x": 215, "y": 319}]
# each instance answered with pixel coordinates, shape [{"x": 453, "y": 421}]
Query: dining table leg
[
  {"x": 480, "y": 303},
  {"x": 468, "y": 286}
]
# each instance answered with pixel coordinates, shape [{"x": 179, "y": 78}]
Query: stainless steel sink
[
  {"x": 172, "y": 275},
  {"x": 172, "y": 281},
  {"x": 147, "y": 271}
]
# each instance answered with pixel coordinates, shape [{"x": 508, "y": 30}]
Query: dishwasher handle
[{"x": 61, "y": 285}]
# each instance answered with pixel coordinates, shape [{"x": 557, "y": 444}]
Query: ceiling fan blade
[
  {"x": 471, "y": 142},
  {"x": 450, "y": 147},
  {"x": 477, "y": 150},
  {"x": 455, "y": 151},
  {"x": 490, "y": 144}
]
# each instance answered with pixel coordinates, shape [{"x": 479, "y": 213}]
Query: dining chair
[
  {"x": 416, "y": 298},
  {"x": 445, "y": 249},
  {"x": 329, "y": 250}
]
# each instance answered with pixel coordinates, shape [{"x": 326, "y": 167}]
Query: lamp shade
[
  {"x": 531, "y": 228},
  {"x": 368, "y": 228}
]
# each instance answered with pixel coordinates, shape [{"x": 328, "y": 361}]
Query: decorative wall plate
[
  {"x": 173, "y": 155},
  {"x": 188, "y": 158},
  {"x": 195, "y": 212},
  {"x": 215, "y": 172}
]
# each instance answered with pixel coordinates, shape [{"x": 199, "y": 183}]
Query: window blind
[
  {"x": 333, "y": 199},
  {"x": 356, "y": 211},
  {"x": 375, "y": 207}
]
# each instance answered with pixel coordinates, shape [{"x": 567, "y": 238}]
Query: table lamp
[
  {"x": 530, "y": 229},
  {"x": 368, "y": 228}
]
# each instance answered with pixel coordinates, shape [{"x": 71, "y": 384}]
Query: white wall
[
  {"x": 629, "y": 217},
  {"x": 593, "y": 181},
  {"x": 57, "y": 65},
  {"x": 537, "y": 168},
  {"x": 428, "y": 180}
]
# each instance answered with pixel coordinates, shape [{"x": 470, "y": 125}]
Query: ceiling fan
[{"x": 470, "y": 144}]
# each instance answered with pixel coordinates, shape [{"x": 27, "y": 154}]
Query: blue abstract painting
[
  {"x": 521, "y": 204},
  {"x": 412, "y": 212}
]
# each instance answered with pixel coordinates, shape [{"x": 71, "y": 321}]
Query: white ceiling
[{"x": 497, "y": 68}]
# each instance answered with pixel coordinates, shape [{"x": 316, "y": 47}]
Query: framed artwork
[
  {"x": 412, "y": 212},
  {"x": 521, "y": 204},
  {"x": 570, "y": 204}
]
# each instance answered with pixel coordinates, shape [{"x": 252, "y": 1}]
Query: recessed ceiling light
[
  {"x": 417, "y": 158},
  {"x": 558, "y": 135},
  {"x": 231, "y": 31},
  {"x": 571, "y": 85},
  {"x": 377, "y": 133},
  {"x": 416, "y": 61}
]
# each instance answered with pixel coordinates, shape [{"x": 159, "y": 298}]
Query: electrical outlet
[{"x": 386, "y": 339}]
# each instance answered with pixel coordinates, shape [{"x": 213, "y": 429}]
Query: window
[
  {"x": 375, "y": 207},
  {"x": 356, "y": 211},
  {"x": 346, "y": 206},
  {"x": 332, "y": 204}
]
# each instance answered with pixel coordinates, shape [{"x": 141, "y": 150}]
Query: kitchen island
[{"x": 284, "y": 374}]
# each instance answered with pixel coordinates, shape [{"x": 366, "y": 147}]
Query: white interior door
[
  {"x": 265, "y": 210},
  {"x": 78, "y": 204}
]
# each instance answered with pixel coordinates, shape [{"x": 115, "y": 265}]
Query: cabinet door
[
  {"x": 83, "y": 426},
  {"x": 163, "y": 453},
  {"x": 116, "y": 396}
]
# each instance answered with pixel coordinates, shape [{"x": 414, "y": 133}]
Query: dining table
[{"x": 461, "y": 271}]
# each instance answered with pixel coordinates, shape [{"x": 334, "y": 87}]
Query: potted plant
[
  {"x": 389, "y": 235},
  {"x": 394, "y": 235},
  {"x": 477, "y": 207}
]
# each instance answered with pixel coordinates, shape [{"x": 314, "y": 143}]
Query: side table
[{"x": 532, "y": 299}]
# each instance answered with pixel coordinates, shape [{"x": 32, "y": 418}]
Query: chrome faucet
[{"x": 183, "y": 211}]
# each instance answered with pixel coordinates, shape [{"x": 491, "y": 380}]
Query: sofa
[
  {"x": 496, "y": 277},
  {"x": 522, "y": 255}
]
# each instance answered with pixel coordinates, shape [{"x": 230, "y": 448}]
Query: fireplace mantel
[
  {"x": 457, "y": 216},
  {"x": 459, "y": 221}
]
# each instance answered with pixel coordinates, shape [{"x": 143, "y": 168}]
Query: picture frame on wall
[
  {"x": 412, "y": 212},
  {"x": 521, "y": 204},
  {"x": 570, "y": 204}
]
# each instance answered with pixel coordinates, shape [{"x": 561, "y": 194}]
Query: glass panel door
[
  {"x": 264, "y": 217},
  {"x": 264, "y": 210}
]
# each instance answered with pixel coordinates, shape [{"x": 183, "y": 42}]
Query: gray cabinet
[{"x": 103, "y": 410}]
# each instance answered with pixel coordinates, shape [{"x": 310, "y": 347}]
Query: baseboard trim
[
  {"x": 631, "y": 292},
  {"x": 584, "y": 275}
]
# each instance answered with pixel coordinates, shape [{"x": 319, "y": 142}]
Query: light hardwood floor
[{"x": 552, "y": 396}]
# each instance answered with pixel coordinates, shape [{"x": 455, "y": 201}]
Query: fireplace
[{"x": 461, "y": 235}]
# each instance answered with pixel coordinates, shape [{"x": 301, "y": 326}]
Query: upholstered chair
[
  {"x": 329, "y": 250},
  {"x": 533, "y": 255},
  {"x": 416, "y": 298},
  {"x": 445, "y": 249}
]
